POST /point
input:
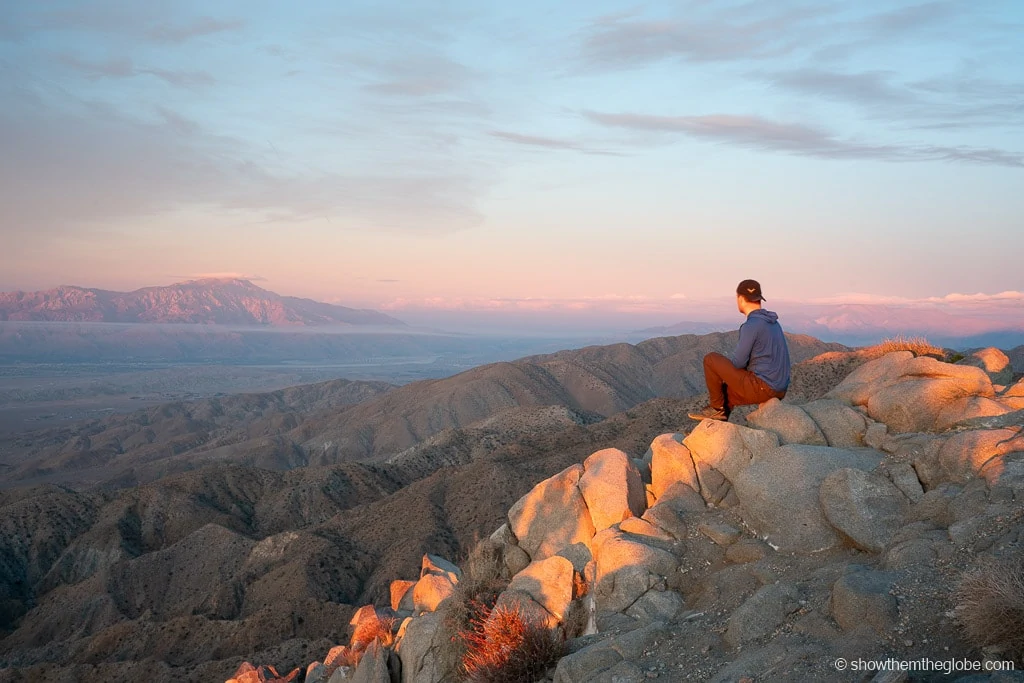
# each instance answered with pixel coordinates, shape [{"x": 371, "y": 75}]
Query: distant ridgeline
[{"x": 207, "y": 301}]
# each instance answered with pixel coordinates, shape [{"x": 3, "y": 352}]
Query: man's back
[{"x": 762, "y": 349}]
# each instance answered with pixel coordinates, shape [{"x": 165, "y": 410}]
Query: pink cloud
[
  {"x": 955, "y": 299},
  {"x": 621, "y": 303},
  {"x": 228, "y": 275}
]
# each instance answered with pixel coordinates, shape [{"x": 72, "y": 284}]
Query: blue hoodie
[{"x": 762, "y": 349}]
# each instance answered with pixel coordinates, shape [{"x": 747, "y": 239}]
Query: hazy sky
[{"x": 530, "y": 155}]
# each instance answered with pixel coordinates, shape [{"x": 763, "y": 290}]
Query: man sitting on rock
[{"x": 759, "y": 367}]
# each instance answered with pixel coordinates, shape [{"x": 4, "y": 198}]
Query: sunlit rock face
[
  {"x": 791, "y": 423},
  {"x": 919, "y": 394},
  {"x": 612, "y": 488},
  {"x": 552, "y": 515},
  {"x": 671, "y": 462},
  {"x": 720, "y": 451},
  {"x": 979, "y": 453},
  {"x": 994, "y": 362}
]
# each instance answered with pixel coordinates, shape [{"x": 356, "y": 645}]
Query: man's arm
[{"x": 741, "y": 356}]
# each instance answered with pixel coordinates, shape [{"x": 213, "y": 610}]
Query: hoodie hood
[{"x": 770, "y": 317}]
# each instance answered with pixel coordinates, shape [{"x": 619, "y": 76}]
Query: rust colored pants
[{"x": 729, "y": 386}]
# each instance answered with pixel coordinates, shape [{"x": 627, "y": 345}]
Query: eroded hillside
[{"x": 110, "y": 576}]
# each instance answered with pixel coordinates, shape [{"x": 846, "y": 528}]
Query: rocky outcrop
[
  {"x": 437, "y": 581},
  {"x": 865, "y": 507},
  {"x": 606, "y": 656},
  {"x": 402, "y": 595},
  {"x": 778, "y": 494},
  {"x": 552, "y": 516},
  {"x": 919, "y": 394},
  {"x": 865, "y": 597},
  {"x": 993, "y": 361},
  {"x": 627, "y": 567},
  {"x": 980, "y": 453},
  {"x": 762, "y": 613},
  {"x": 419, "y": 640},
  {"x": 842, "y": 426},
  {"x": 247, "y": 673},
  {"x": 374, "y": 667},
  {"x": 671, "y": 463},
  {"x": 548, "y": 583},
  {"x": 720, "y": 451},
  {"x": 612, "y": 488},
  {"x": 816, "y": 531},
  {"x": 790, "y": 423}
]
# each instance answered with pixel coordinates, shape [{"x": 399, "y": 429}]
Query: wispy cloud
[
  {"x": 952, "y": 101},
  {"x": 803, "y": 48},
  {"x": 180, "y": 78},
  {"x": 945, "y": 22},
  {"x": 614, "y": 303},
  {"x": 870, "y": 87},
  {"x": 68, "y": 163},
  {"x": 705, "y": 33},
  {"x": 203, "y": 26},
  {"x": 546, "y": 142},
  {"x": 629, "y": 42},
  {"x": 124, "y": 68},
  {"x": 416, "y": 71},
  {"x": 121, "y": 67},
  {"x": 134, "y": 21},
  {"x": 754, "y": 132},
  {"x": 912, "y": 17}
]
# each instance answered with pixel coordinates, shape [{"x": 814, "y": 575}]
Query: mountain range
[
  {"x": 272, "y": 432},
  {"x": 248, "y": 526},
  {"x": 211, "y": 301},
  {"x": 179, "y": 540}
]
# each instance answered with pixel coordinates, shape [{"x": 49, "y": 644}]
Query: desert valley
[{"x": 185, "y": 539}]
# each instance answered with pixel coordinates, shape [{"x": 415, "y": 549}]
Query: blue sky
[{"x": 592, "y": 156}]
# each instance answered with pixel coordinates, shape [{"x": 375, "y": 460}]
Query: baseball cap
[{"x": 750, "y": 290}]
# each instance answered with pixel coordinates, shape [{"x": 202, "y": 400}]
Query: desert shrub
[
  {"x": 990, "y": 606},
  {"x": 483, "y": 580},
  {"x": 381, "y": 629},
  {"x": 348, "y": 658},
  {"x": 386, "y": 631},
  {"x": 504, "y": 646},
  {"x": 574, "y": 624},
  {"x": 919, "y": 346},
  {"x": 486, "y": 562}
]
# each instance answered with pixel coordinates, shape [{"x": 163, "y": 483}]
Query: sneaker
[{"x": 710, "y": 413}]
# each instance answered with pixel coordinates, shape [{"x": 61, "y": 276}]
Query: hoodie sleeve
[{"x": 741, "y": 356}]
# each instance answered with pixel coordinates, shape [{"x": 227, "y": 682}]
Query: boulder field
[{"x": 760, "y": 549}]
